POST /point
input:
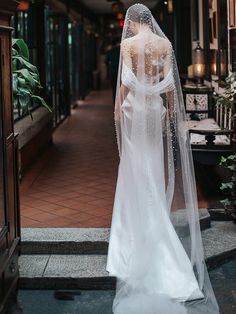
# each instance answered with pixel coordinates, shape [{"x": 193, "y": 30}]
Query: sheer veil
[{"x": 148, "y": 79}]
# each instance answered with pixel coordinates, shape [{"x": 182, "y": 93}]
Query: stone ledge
[
  {"x": 64, "y": 234},
  {"x": 28, "y": 128},
  {"x": 67, "y": 271},
  {"x": 65, "y": 240},
  {"x": 219, "y": 239}
]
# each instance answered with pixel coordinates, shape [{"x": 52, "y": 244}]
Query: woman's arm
[
  {"x": 170, "y": 95},
  {"x": 122, "y": 94}
]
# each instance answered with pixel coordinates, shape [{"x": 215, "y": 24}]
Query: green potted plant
[
  {"x": 26, "y": 81},
  {"x": 229, "y": 187},
  {"x": 228, "y": 99}
]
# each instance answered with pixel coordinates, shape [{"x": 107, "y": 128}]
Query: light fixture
[
  {"x": 198, "y": 63},
  {"x": 170, "y": 7},
  {"x": 23, "y": 6},
  {"x": 223, "y": 62},
  {"x": 213, "y": 54},
  {"x": 218, "y": 63}
]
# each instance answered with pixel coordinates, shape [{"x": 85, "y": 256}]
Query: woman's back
[{"x": 147, "y": 55}]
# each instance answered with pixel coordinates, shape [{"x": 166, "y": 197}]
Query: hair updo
[{"x": 139, "y": 13}]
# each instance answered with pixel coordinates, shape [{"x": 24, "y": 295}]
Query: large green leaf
[
  {"x": 22, "y": 81},
  {"x": 14, "y": 82},
  {"x": 25, "y": 63},
  {"x": 42, "y": 101},
  {"x": 24, "y": 92},
  {"x": 23, "y": 49},
  {"x": 14, "y": 52},
  {"x": 24, "y": 102},
  {"x": 26, "y": 81},
  {"x": 26, "y": 74}
]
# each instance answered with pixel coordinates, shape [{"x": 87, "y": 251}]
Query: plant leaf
[
  {"x": 26, "y": 64},
  {"x": 227, "y": 185},
  {"x": 232, "y": 157},
  {"x": 232, "y": 167},
  {"x": 24, "y": 101},
  {"x": 20, "y": 43},
  {"x": 28, "y": 77},
  {"x": 226, "y": 202},
  {"x": 42, "y": 101}
]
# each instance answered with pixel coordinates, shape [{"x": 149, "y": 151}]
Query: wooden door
[{"x": 9, "y": 204}]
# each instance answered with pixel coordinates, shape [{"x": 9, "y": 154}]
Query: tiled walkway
[{"x": 73, "y": 184}]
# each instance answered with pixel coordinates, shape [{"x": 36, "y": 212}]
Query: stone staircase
[
  {"x": 75, "y": 258},
  {"x": 68, "y": 258}
]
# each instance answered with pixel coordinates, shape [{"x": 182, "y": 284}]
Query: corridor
[{"x": 73, "y": 184}]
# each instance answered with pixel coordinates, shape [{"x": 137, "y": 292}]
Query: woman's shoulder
[
  {"x": 163, "y": 43},
  {"x": 126, "y": 42},
  {"x": 166, "y": 44}
]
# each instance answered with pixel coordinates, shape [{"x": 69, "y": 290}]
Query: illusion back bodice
[{"x": 147, "y": 56}]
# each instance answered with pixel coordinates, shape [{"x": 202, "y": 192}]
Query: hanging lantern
[
  {"x": 223, "y": 62},
  {"x": 170, "y": 6},
  {"x": 198, "y": 63},
  {"x": 213, "y": 62},
  {"x": 23, "y": 6}
]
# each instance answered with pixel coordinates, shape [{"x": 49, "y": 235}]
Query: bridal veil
[{"x": 155, "y": 226}]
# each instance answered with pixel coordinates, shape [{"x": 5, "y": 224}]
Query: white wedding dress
[
  {"x": 155, "y": 247},
  {"x": 168, "y": 268}
]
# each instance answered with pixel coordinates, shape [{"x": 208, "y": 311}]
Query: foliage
[
  {"x": 26, "y": 81},
  {"x": 229, "y": 187},
  {"x": 228, "y": 97}
]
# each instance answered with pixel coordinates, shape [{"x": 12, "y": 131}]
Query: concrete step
[
  {"x": 65, "y": 271},
  {"x": 87, "y": 271},
  {"x": 80, "y": 240},
  {"x": 64, "y": 240}
]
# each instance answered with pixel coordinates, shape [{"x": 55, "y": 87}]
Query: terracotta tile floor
[{"x": 73, "y": 184}]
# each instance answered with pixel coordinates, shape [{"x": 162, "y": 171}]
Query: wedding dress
[{"x": 155, "y": 247}]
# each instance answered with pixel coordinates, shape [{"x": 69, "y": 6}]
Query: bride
[{"x": 155, "y": 247}]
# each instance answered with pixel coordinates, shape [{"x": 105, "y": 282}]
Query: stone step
[
  {"x": 64, "y": 240},
  {"x": 87, "y": 271},
  {"x": 65, "y": 271},
  {"x": 79, "y": 240}
]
